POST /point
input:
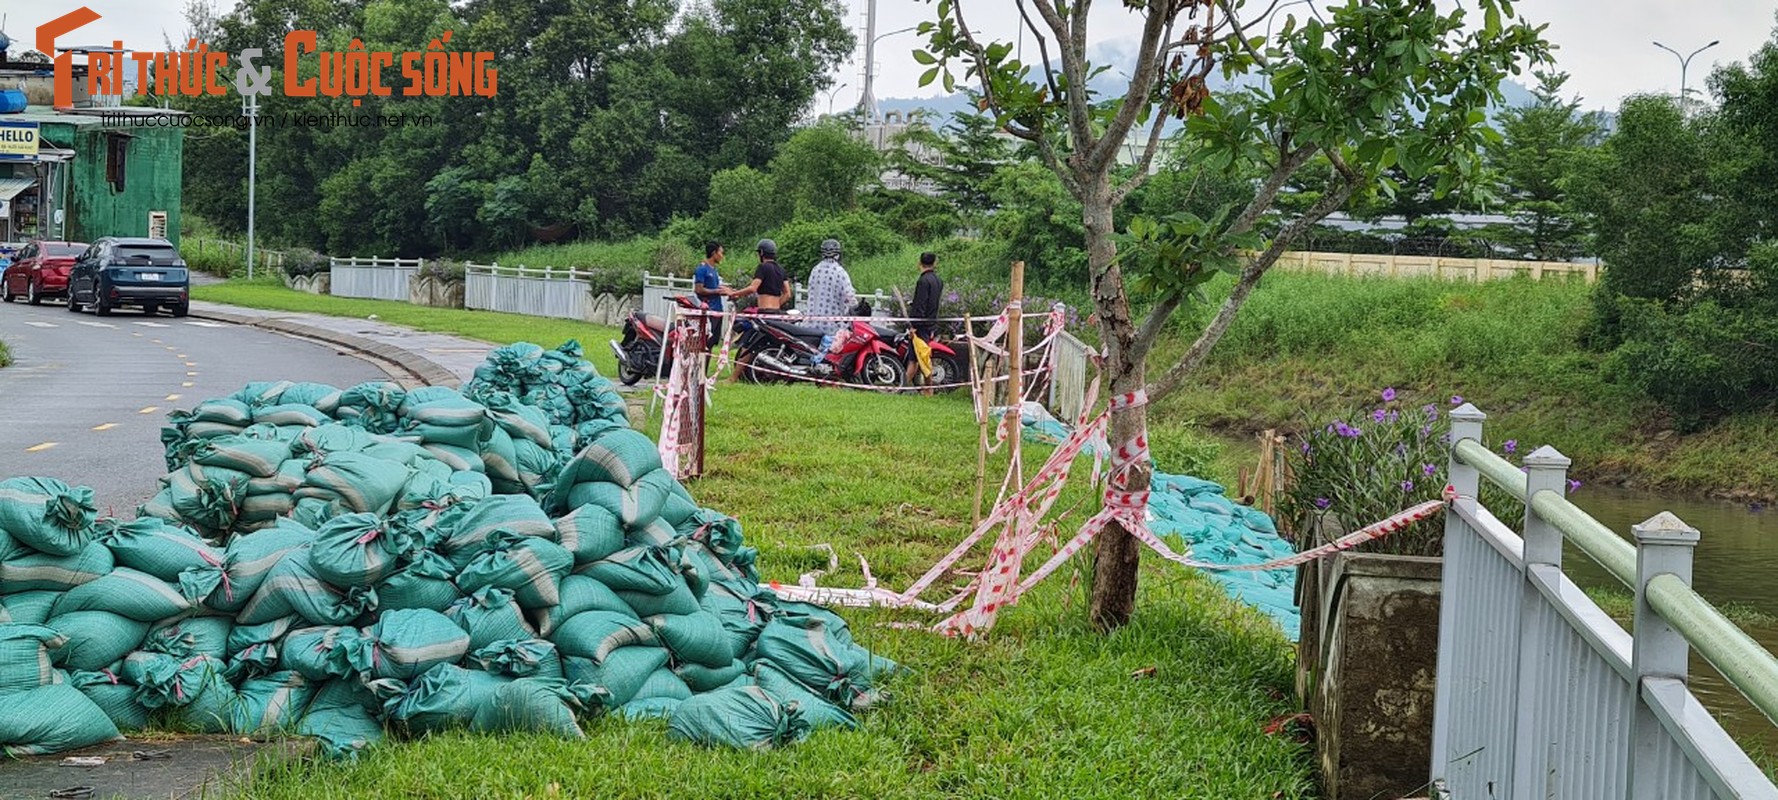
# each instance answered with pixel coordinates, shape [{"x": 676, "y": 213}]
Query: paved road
[{"x": 86, "y": 396}]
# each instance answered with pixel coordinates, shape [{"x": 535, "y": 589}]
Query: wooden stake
[
  {"x": 981, "y": 422},
  {"x": 1015, "y": 357}
]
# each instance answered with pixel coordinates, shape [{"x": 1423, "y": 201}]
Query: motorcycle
[
  {"x": 776, "y": 348},
  {"x": 948, "y": 368},
  {"x": 644, "y": 336}
]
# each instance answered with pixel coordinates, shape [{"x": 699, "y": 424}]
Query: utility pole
[
  {"x": 868, "y": 101},
  {"x": 1685, "y": 62},
  {"x": 250, "y": 106}
]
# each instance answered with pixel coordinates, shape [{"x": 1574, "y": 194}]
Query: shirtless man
[{"x": 773, "y": 288}]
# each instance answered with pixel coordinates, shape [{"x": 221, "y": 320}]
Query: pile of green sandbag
[{"x": 342, "y": 563}]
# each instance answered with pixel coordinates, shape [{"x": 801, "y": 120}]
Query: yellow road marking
[
  {"x": 172, "y": 397},
  {"x": 191, "y": 374},
  {"x": 149, "y": 410},
  {"x": 105, "y": 427},
  {"x": 186, "y": 384},
  {"x": 190, "y": 364},
  {"x": 36, "y": 447}
]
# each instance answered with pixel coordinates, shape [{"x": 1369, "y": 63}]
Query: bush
[
  {"x": 1696, "y": 362},
  {"x": 861, "y": 234},
  {"x": 443, "y": 269},
  {"x": 302, "y": 261},
  {"x": 916, "y": 216}
]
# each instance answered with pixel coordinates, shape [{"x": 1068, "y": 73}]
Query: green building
[{"x": 83, "y": 173}]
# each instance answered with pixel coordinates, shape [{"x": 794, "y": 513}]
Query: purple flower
[
  {"x": 1573, "y": 484},
  {"x": 1401, "y": 449},
  {"x": 1392, "y": 415},
  {"x": 1425, "y": 430},
  {"x": 1377, "y": 416},
  {"x": 1511, "y": 446},
  {"x": 1389, "y": 395},
  {"x": 1305, "y": 448},
  {"x": 1347, "y": 431},
  {"x": 1431, "y": 411},
  {"x": 1407, "y": 486},
  {"x": 1456, "y": 399},
  {"x": 1428, "y": 469},
  {"x": 1322, "y": 502}
]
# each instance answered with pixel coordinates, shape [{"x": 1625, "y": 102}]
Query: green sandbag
[
  {"x": 703, "y": 679},
  {"x": 490, "y": 615},
  {"x": 319, "y": 653},
  {"x": 52, "y": 719},
  {"x": 405, "y": 644},
  {"x": 590, "y": 532},
  {"x": 471, "y": 485},
  {"x": 28, "y": 608},
  {"x": 195, "y": 687},
  {"x": 595, "y": 634},
  {"x": 621, "y": 674},
  {"x": 457, "y": 458},
  {"x": 256, "y": 457},
  {"x": 290, "y": 414},
  {"x": 742, "y": 717},
  {"x": 241, "y": 637},
  {"x": 652, "y": 533},
  {"x": 520, "y": 421},
  {"x": 649, "y": 570},
  {"x": 358, "y": 550},
  {"x": 324, "y": 398},
  {"x": 253, "y": 661},
  {"x": 634, "y": 506},
  {"x": 697, "y": 577},
  {"x": 501, "y": 461},
  {"x": 261, "y": 393},
  {"x": 334, "y": 438},
  {"x": 532, "y": 567},
  {"x": 114, "y": 697},
  {"x": 455, "y": 421},
  {"x": 47, "y": 515},
  {"x": 208, "y": 498},
  {"x": 264, "y": 508},
  {"x": 25, "y": 661},
  {"x": 816, "y": 709},
  {"x": 287, "y": 479},
  {"x": 293, "y": 588},
  {"x": 159, "y": 548},
  {"x": 528, "y": 705},
  {"x": 620, "y": 456},
  {"x": 249, "y": 559},
  {"x": 128, "y": 592},
  {"x": 467, "y": 526},
  {"x": 423, "y": 582},
  {"x": 696, "y": 638},
  {"x": 677, "y": 510},
  {"x": 225, "y": 411},
  {"x": 359, "y": 482},
  {"x": 95, "y": 639},
  {"x": 447, "y": 696},
  {"x": 373, "y": 405},
  {"x": 41, "y": 571},
  {"x": 580, "y": 593},
  {"x": 743, "y": 616},
  {"x": 313, "y": 512},
  {"x": 678, "y": 601},
  {"x": 829, "y": 665},
  {"x": 537, "y": 466},
  {"x": 649, "y": 708},
  {"x": 519, "y": 658},
  {"x": 663, "y": 683},
  {"x": 718, "y": 532},
  {"x": 271, "y": 704},
  {"x": 192, "y": 636},
  {"x": 407, "y": 454},
  {"x": 10, "y": 547},
  {"x": 343, "y": 716}
]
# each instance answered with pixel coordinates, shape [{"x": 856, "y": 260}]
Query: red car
[{"x": 39, "y": 271}]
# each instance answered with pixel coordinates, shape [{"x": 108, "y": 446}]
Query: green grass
[
  {"x": 1043, "y": 708},
  {"x": 5, "y": 355}
]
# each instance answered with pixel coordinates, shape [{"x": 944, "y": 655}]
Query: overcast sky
[{"x": 1605, "y": 44}]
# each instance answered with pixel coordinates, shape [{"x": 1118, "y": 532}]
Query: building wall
[{"x": 152, "y": 167}]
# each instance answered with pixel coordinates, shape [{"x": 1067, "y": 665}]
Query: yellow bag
[{"x": 923, "y": 352}]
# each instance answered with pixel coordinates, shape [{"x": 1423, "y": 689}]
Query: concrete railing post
[
  {"x": 1466, "y": 423},
  {"x": 1546, "y": 470},
  {"x": 1664, "y": 546}
]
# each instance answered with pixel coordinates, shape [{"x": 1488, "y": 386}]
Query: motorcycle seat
[
  {"x": 798, "y": 331},
  {"x": 655, "y": 321},
  {"x": 885, "y": 333}
]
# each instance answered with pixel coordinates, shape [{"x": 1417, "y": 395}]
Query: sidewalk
[{"x": 434, "y": 358}]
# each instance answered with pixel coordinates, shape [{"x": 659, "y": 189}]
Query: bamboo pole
[
  {"x": 981, "y": 420},
  {"x": 1015, "y": 350}
]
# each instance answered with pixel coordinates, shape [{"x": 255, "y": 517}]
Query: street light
[
  {"x": 830, "y": 95},
  {"x": 1684, "y": 62},
  {"x": 868, "y": 101}
]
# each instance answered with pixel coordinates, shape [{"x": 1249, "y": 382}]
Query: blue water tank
[{"x": 12, "y": 101}]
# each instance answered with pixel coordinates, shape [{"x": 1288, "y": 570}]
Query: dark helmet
[
  {"x": 768, "y": 248},
  {"x": 831, "y": 249}
]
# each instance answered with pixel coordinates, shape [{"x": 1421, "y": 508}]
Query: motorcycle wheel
[
  {"x": 880, "y": 371},
  {"x": 639, "y": 355},
  {"x": 780, "y": 353},
  {"x": 945, "y": 370}
]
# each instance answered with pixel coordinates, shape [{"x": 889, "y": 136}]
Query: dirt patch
[{"x": 153, "y": 767}]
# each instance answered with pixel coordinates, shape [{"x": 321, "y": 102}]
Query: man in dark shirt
[
  {"x": 773, "y": 288},
  {"x": 925, "y": 313}
]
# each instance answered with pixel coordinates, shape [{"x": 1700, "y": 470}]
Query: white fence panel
[
  {"x": 372, "y": 278},
  {"x": 541, "y": 292}
]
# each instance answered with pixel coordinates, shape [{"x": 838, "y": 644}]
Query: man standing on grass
[
  {"x": 773, "y": 288},
  {"x": 707, "y": 282},
  {"x": 830, "y": 290},
  {"x": 927, "y": 290}
]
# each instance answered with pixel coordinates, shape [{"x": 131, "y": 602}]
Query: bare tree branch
[
  {"x": 1142, "y": 81},
  {"x": 1142, "y": 164},
  {"x": 1288, "y": 163},
  {"x": 1240, "y": 34},
  {"x": 1073, "y": 65},
  {"x": 1049, "y": 70},
  {"x": 1151, "y": 327},
  {"x": 1200, "y": 349}
]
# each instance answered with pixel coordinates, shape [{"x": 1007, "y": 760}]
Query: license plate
[{"x": 149, "y": 276}]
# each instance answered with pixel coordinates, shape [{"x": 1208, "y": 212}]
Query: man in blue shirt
[{"x": 707, "y": 282}]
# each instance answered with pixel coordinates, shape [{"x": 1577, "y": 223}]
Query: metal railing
[
  {"x": 199, "y": 246},
  {"x": 535, "y": 291},
  {"x": 373, "y": 278},
  {"x": 1542, "y": 694}
]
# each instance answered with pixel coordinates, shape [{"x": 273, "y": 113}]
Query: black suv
[{"x": 117, "y": 271}]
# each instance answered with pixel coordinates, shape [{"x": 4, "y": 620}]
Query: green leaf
[
  {"x": 924, "y": 57},
  {"x": 928, "y": 76}
]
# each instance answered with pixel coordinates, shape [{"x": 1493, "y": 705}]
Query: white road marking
[
  {"x": 105, "y": 427},
  {"x": 37, "y": 447},
  {"x": 95, "y": 324},
  {"x": 203, "y": 324},
  {"x": 149, "y": 410},
  {"x": 36, "y": 324},
  {"x": 153, "y": 325}
]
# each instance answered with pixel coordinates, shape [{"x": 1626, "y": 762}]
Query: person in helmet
[
  {"x": 830, "y": 291},
  {"x": 769, "y": 281}
]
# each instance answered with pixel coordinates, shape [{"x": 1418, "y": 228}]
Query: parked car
[
  {"x": 39, "y": 271},
  {"x": 120, "y": 271}
]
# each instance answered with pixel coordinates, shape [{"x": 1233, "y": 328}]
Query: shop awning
[{"x": 10, "y": 187}]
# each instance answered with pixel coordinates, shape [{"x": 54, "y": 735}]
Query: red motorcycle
[
  {"x": 644, "y": 337},
  {"x": 948, "y": 368},
  {"x": 778, "y": 349}
]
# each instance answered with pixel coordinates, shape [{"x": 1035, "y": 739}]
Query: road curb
[{"x": 427, "y": 370}]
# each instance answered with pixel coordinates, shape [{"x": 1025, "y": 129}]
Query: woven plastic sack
[
  {"x": 696, "y": 638},
  {"x": 451, "y": 419},
  {"x": 590, "y": 532},
  {"x": 193, "y": 636},
  {"x": 25, "y": 656},
  {"x": 678, "y": 601},
  {"x": 319, "y": 653},
  {"x": 47, "y": 515},
  {"x": 358, "y": 550},
  {"x": 127, "y": 592},
  {"x": 287, "y": 479},
  {"x": 520, "y": 421},
  {"x": 293, "y": 588},
  {"x": 226, "y": 411},
  {"x": 519, "y": 658},
  {"x": 359, "y": 482},
  {"x": 816, "y": 709},
  {"x": 580, "y": 593},
  {"x": 653, "y": 533},
  {"x": 322, "y": 397},
  {"x": 256, "y": 457},
  {"x": 662, "y": 684},
  {"x": 832, "y": 666},
  {"x": 537, "y": 466},
  {"x": 95, "y": 639},
  {"x": 596, "y": 634},
  {"x": 52, "y": 719},
  {"x": 677, "y": 510},
  {"x": 335, "y": 438},
  {"x": 703, "y": 679},
  {"x": 649, "y": 708},
  {"x": 405, "y": 644},
  {"x": 457, "y": 458},
  {"x": 271, "y": 704},
  {"x": 263, "y": 508},
  {"x": 620, "y": 456},
  {"x": 113, "y": 696},
  {"x": 261, "y": 393},
  {"x": 447, "y": 696},
  {"x": 531, "y": 567},
  {"x": 373, "y": 405},
  {"x": 159, "y": 548},
  {"x": 41, "y": 571},
  {"x": 742, "y": 717},
  {"x": 634, "y": 506},
  {"x": 27, "y": 608},
  {"x": 313, "y": 512},
  {"x": 528, "y": 705},
  {"x": 490, "y": 615},
  {"x": 342, "y": 716},
  {"x": 291, "y": 414},
  {"x": 195, "y": 687},
  {"x": 241, "y": 637},
  {"x": 467, "y": 526},
  {"x": 249, "y": 559},
  {"x": 500, "y": 460},
  {"x": 621, "y": 674},
  {"x": 407, "y": 454},
  {"x": 423, "y": 582},
  {"x": 649, "y": 570}
]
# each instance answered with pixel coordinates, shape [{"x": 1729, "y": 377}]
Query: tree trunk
[{"x": 1116, "y": 552}]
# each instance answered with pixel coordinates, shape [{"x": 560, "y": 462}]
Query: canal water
[{"x": 1736, "y": 563}]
